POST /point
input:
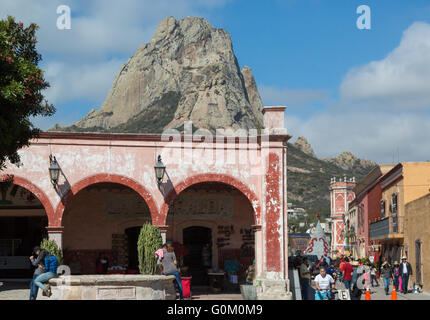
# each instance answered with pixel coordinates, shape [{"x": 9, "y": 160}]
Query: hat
[
  {"x": 404, "y": 258},
  {"x": 355, "y": 264},
  {"x": 396, "y": 262}
]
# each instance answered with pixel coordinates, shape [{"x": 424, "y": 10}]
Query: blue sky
[{"x": 346, "y": 89}]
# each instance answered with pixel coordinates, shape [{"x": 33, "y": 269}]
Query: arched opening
[
  {"x": 198, "y": 240},
  {"x": 217, "y": 214},
  {"x": 132, "y": 236},
  {"x": 102, "y": 220},
  {"x": 23, "y": 222}
]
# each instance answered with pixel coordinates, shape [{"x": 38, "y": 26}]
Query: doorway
[
  {"x": 198, "y": 240},
  {"x": 418, "y": 270},
  {"x": 132, "y": 237}
]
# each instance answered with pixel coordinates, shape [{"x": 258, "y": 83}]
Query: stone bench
[{"x": 111, "y": 287}]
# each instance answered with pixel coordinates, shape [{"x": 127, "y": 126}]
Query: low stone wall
[{"x": 111, "y": 287}]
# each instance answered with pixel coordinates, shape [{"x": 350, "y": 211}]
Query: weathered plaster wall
[{"x": 418, "y": 220}]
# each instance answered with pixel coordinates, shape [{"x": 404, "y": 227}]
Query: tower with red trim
[{"x": 341, "y": 193}]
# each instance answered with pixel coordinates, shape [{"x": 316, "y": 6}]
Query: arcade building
[{"x": 92, "y": 192}]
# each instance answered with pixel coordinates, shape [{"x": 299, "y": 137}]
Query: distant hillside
[{"x": 309, "y": 177}]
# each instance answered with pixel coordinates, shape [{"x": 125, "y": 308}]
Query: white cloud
[
  {"x": 374, "y": 136},
  {"x": 383, "y": 106},
  {"x": 80, "y": 64},
  {"x": 89, "y": 81},
  {"x": 401, "y": 80}
]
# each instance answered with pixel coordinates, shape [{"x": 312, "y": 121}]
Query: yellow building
[
  {"x": 403, "y": 184},
  {"x": 417, "y": 239}
]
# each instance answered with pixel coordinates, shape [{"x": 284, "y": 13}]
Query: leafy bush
[
  {"x": 149, "y": 241},
  {"x": 52, "y": 247}
]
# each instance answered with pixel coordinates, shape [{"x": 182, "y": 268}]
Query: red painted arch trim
[
  {"x": 43, "y": 198},
  {"x": 104, "y": 177},
  {"x": 209, "y": 177}
]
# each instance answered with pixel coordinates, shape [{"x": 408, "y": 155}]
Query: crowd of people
[{"x": 355, "y": 275}]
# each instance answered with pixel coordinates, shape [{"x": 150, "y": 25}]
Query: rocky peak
[
  {"x": 303, "y": 145},
  {"x": 347, "y": 161},
  {"x": 188, "y": 71}
]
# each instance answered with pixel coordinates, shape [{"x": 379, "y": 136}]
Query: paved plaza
[{"x": 20, "y": 291}]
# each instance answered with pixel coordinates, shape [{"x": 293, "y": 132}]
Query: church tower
[{"x": 341, "y": 193}]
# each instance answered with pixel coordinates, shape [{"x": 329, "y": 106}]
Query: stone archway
[
  {"x": 223, "y": 209},
  {"x": 43, "y": 198},
  {"x": 94, "y": 215},
  {"x": 103, "y": 177},
  {"x": 209, "y": 177},
  {"x": 24, "y": 217}
]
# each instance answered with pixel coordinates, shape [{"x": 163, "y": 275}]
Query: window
[
  {"x": 394, "y": 201},
  {"x": 382, "y": 209}
]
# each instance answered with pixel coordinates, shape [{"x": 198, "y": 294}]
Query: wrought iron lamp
[
  {"x": 54, "y": 170},
  {"x": 160, "y": 170}
]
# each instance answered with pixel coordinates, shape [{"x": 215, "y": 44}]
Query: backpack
[{"x": 52, "y": 262}]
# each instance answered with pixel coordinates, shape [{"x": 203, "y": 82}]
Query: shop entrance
[
  {"x": 132, "y": 237},
  {"x": 198, "y": 240}
]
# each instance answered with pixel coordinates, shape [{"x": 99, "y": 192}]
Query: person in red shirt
[
  {"x": 342, "y": 263},
  {"x": 347, "y": 273}
]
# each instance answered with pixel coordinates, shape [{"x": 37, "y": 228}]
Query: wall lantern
[
  {"x": 160, "y": 169},
  {"x": 54, "y": 170}
]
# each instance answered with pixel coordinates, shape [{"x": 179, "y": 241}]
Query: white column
[{"x": 56, "y": 234}]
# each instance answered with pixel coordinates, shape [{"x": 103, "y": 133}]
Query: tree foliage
[
  {"x": 52, "y": 247},
  {"x": 21, "y": 86},
  {"x": 149, "y": 241}
]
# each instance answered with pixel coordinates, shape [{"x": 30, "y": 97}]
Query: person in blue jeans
[
  {"x": 168, "y": 266},
  {"x": 37, "y": 261},
  {"x": 396, "y": 275},
  {"x": 51, "y": 266},
  {"x": 386, "y": 274}
]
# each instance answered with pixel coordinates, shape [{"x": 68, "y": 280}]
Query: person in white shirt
[
  {"x": 406, "y": 271},
  {"x": 323, "y": 282}
]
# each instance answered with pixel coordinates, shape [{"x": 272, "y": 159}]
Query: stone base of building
[
  {"x": 273, "y": 289},
  {"x": 111, "y": 287}
]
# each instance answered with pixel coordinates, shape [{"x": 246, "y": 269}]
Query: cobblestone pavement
[
  {"x": 14, "y": 290},
  {"x": 378, "y": 293}
]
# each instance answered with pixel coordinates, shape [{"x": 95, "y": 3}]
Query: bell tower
[{"x": 341, "y": 193}]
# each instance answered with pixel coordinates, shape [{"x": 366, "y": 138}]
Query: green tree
[
  {"x": 149, "y": 241},
  {"x": 21, "y": 85},
  {"x": 52, "y": 247}
]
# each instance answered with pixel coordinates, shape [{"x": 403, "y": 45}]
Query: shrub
[
  {"x": 52, "y": 247},
  {"x": 149, "y": 241}
]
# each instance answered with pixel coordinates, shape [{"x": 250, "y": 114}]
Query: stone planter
[
  {"x": 249, "y": 292},
  {"x": 111, "y": 287}
]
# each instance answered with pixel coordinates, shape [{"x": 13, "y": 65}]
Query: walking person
[
  {"x": 50, "y": 271},
  {"x": 305, "y": 279},
  {"x": 373, "y": 276},
  {"x": 37, "y": 261},
  {"x": 386, "y": 276},
  {"x": 347, "y": 274},
  {"x": 168, "y": 266},
  {"x": 356, "y": 291},
  {"x": 406, "y": 271},
  {"x": 396, "y": 275}
]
